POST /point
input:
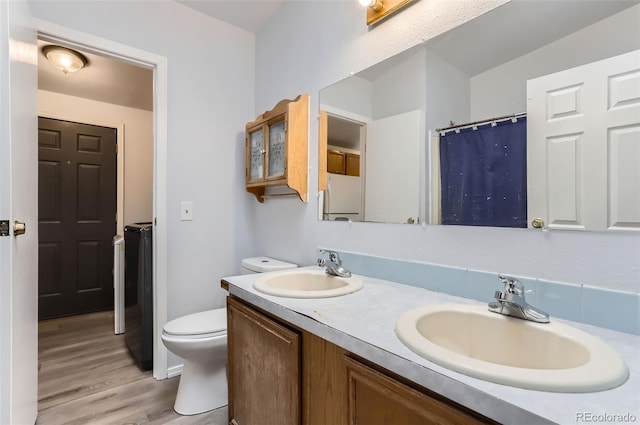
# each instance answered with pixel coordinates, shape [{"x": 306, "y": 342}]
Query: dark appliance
[{"x": 138, "y": 293}]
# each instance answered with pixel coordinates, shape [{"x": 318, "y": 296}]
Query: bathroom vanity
[
  {"x": 338, "y": 361},
  {"x": 279, "y": 373}
]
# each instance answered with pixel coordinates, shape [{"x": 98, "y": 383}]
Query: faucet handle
[
  {"x": 512, "y": 285},
  {"x": 333, "y": 256},
  {"x": 321, "y": 262}
]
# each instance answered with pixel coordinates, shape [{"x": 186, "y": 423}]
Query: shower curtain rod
[{"x": 488, "y": 121}]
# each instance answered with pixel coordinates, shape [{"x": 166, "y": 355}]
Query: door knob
[
  {"x": 537, "y": 223},
  {"x": 19, "y": 228}
]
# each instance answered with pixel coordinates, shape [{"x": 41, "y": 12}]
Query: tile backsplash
[{"x": 602, "y": 307}]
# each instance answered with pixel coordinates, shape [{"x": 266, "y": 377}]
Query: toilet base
[{"x": 202, "y": 387}]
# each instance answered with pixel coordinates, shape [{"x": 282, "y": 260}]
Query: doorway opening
[
  {"x": 154, "y": 197},
  {"x": 343, "y": 200},
  {"x": 82, "y": 202}
]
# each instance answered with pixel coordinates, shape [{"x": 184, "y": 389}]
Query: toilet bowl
[{"x": 201, "y": 340}]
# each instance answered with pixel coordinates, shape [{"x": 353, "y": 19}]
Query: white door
[
  {"x": 583, "y": 146},
  {"x": 18, "y": 202},
  {"x": 392, "y": 176}
]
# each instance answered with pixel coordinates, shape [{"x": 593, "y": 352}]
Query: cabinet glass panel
[
  {"x": 276, "y": 149},
  {"x": 257, "y": 155}
]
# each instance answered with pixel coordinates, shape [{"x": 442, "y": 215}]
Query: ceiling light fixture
[
  {"x": 64, "y": 59},
  {"x": 379, "y": 9}
]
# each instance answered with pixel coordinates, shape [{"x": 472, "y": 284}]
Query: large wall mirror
[{"x": 527, "y": 116}]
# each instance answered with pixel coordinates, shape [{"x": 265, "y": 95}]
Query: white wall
[
  {"x": 353, "y": 94},
  {"x": 400, "y": 89},
  {"x": 318, "y": 43},
  {"x": 210, "y": 68},
  {"x": 137, "y": 125},
  {"x": 447, "y": 94}
]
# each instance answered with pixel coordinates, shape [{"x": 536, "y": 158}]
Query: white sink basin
[
  {"x": 520, "y": 353},
  {"x": 307, "y": 284}
]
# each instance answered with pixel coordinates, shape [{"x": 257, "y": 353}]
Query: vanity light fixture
[
  {"x": 64, "y": 59},
  {"x": 379, "y": 9},
  {"x": 375, "y": 5}
]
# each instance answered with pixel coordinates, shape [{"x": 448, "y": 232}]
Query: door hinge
[
  {"x": 4, "y": 228},
  {"x": 116, "y": 148}
]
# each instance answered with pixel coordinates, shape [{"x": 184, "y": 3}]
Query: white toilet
[
  {"x": 263, "y": 265},
  {"x": 201, "y": 340}
]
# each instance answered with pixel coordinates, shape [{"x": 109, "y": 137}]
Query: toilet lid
[{"x": 205, "y": 322}]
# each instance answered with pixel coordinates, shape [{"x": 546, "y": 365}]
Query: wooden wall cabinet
[
  {"x": 281, "y": 375},
  {"x": 277, "y": 148}
]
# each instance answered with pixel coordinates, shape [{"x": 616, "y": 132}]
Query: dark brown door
[{"x": 77, "y": 217}]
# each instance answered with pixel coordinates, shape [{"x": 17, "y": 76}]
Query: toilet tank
[{"x": 263, "y": 264}]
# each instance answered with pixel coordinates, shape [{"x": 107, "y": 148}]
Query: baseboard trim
[{"x": 174, "y": 371}]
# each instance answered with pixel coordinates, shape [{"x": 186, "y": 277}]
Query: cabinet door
[
  {"x": 353, "y": 164},
  {"x": 255, "y": 154},
  {"x": 377, "y": 399},
  {"x": 335, "y": 162},
  {"x": 264, "y": 368},
  {"x": 277, "y": 158}
]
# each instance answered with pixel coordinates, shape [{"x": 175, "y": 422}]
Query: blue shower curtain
[{"x": 484, "y": 175}]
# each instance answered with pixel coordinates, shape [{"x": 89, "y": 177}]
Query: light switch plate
[{"x": 186, "y": 211}]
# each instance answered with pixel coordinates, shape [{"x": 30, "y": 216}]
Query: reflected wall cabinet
[
  {"x": 277, "y": 148},
  {"x": 339, "y": 162}
]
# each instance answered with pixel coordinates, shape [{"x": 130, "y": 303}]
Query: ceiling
[
  {"x": 114, "y": 81},
  {"x": 250, "y": 15},
  {"x": 104, "y": 80}
]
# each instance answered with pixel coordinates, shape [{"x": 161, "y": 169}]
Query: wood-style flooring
[{"x": 87, "y": 376}]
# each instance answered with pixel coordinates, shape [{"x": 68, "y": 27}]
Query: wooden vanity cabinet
[
  {"x": 281, "y": 375},
  {"x": 276, "y": 146}
]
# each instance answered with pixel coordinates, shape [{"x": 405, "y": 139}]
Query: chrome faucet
[
  {"x": 333, "y": 264},
  {"x": 511, "y": 302}
]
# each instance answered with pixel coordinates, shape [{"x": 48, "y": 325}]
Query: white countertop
[{"x": 363, "y": 323}]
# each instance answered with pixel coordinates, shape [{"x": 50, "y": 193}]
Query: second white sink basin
[
  {"x": 549, "y": 357},
  {"x": 307, "y": 284}
]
